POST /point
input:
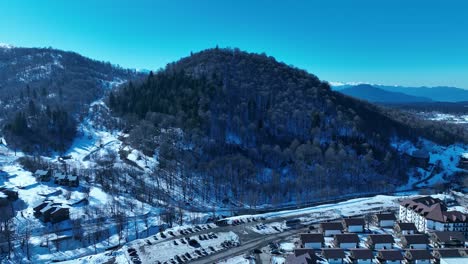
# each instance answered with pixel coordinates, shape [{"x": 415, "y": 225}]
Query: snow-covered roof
[
  {"x": 2, "y": 195},
  {"x": 465, "y": 155}
]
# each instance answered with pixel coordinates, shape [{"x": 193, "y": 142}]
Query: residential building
[
  {"x": 390, "y": 256},
  {"x": 331, "y": 228},
  {"x": 418, "y": 256},
  {"x": 431, "y": 214},
  {"x": 350, "y": 240},
  {"x": 418, "y": 241},
  {"x": 380, "y": 241},
  {"x": 302, "y": 256},
  {"x": 402, "y": 228},
  {"x": 354, "y": 225},
  {"x": 42, "y": 175},
  {"x": 447, "y": 239},
  {"x": 385, "y": 219},
  {"x": 361, "y": 256},
  {"x": 334, "y": 255},
  {"x": 312, "y": 240}
]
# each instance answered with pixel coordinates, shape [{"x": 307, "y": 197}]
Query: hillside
[
  {"x": 244, "y": 125},
  {"x": 45, "y": 92},
  {"x": 374, "y": 94}
]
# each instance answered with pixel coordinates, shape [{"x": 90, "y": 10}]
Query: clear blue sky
[{"x": 407, "y": 42}]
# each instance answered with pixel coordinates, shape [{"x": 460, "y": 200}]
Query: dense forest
[
  {"x": 44, "y": 92},
  {"x": 259, "y": 131}
]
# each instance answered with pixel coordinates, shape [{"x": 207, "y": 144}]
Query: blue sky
[{"x": 378, "y": 41}]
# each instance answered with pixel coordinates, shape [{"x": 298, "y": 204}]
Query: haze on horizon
[{"x": 410, "y": 43}]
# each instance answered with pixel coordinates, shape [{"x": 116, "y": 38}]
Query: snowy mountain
[{"x": 37, "y": 82}]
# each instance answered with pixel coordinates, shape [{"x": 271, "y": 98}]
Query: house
[
  {"x": 331, "y": 228},
  {"x": 42, "y": 175},
  {"x": 418, "y": 241},
  {"x": 380, "y": 241},
  {"x": 419, "y": 158},
  {"x": 448, "y": 254},
  {"x": 361, "y": 256},
  {"x": 390, "y": 256},
  {"x": 66, "y": 180},
  {"x": 463, "y": 162},
  {"x": 447, "y": 239},
  {"x": 385, "y": 219},
  {"x": 402, "y": 228},
  {"x": 431, "y": 214},
  {"x": 355, "y": 225},
  {"x": 7, "y": 195},
  {"x": 312, "y": 240},
  {"x": 72, "y": 180},
  {"x": 350, "y": 240},
  {"x": 302, "y": 256},
  {"x": 418, "y": 256},
  {"x": 333, "y": 255},
  {"x": 48, "y": 211}
]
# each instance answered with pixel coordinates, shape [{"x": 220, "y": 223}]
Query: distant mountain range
[
  {"x": 373, "y": 94},
  {"x": 402, "y": 94}
]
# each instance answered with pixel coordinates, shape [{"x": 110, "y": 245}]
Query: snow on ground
[
  {"x": 440, "y": 157},
  {"x": 151, "y": 251},
  {"x": 347, "y": 208},
  {"x": 278, "y": 260},
  {"x": 287, "y": 246},
  {"x": 236, "y": 260},
  {"x": 270, "y": 228},
  {"x": 450, "y": 118}
]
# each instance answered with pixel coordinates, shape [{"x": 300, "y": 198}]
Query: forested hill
[
  {"x": 44, "y": 92},
  {"x": 260, "y": 131}
]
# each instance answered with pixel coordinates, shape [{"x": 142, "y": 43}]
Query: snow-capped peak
[{"x": 6, "y": 46}]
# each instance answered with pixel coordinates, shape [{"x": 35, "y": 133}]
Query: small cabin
[
  {"x": 380, "y": 241},
  {"x": 334, "y": 255},
  {"x": 331, "y": 228},
  {"x": 361, "y": 256},
  {"x": 402, "y": 228},
  {"x": 312, "y": 240},
  {"x": 418, "y": 241},
  {"x": 390, "y": 256},
  {"x": 418, "y": 256},
  {"x": 354, "y": 225},
  {"x": 350, "y": 240},
  {"x": 385, "y": 219},
  {"x": 42, "y": 175}
]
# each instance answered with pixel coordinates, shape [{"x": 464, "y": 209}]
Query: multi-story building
[{"x": 430, "y": 214}]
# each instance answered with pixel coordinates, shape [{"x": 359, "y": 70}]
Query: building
[
  {"x": 463, "y": 163},
  {"x": 385, "y": 219},
  {"x": 331, "y": 228},
  {"x": 447, "y": 239},
  {"x": 7, "y": 196},
  {"x": 380, "y": 241},
  {"x": 48, "y": 211},
  {"x": 402, "y": 228},
  {"x": 333, "y": 255},
  {"x": 361, "y": 256},
  {"x": 349, "y": 240},
  {"x": 42, "y": 175},
  {"x": 418, "y": 256},
  {"x": 355, "y": 225},
  {"x": 418, "y": 241},
  {"x": 312, "y": 240},
  {"x": 302, "y": 256},
  {"x": 430, "y": 214},
  {"x": 419, "y": 158},
  {"x": 66, "y": 180},
  {"x": 449, "y": 253},
  {"x": 390, "y": 256}
]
